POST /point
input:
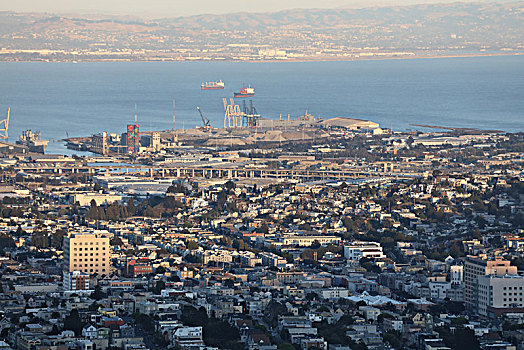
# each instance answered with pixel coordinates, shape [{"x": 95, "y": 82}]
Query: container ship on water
[
  {"x": 212, "y": 85},
  {"x": 245, "y": 92}
]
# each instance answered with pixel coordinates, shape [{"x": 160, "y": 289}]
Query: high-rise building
[
  {"x": 88, "y": 253},
  {"x": 476, "y": 266}
]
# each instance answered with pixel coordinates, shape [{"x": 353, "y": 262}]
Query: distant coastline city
[
  {"x": 459, "y": 29},
  {"x": 241, "y": 203}
]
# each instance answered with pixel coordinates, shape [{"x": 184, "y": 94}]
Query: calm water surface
[{"x": 81, "y": 99}]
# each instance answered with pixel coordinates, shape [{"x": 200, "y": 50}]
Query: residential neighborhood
[{"x": 426, "y": 254}]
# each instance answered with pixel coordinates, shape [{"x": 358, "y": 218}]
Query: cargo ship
[
  {"x": 212, "y": 85},
  {"x": 245, "y": 92}
]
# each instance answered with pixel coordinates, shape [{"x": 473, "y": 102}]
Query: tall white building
[{"x": 456, "y": 273}]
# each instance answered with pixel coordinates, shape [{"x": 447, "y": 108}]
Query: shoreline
[{"x": 293, "y": 60}]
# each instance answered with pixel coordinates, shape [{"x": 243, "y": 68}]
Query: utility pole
[{"x": 175, "y": 138}]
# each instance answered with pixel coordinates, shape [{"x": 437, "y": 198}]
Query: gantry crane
[
  {"x": 4, "y": 126},
  {"x": 251, "y": 115},
  {"x": 233, "y": 115}
]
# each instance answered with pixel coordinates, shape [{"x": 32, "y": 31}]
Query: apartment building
[
  {"x": 87, "y": 252},
  {"x": 136, "y": 268},
  {"x": 476, "y": 266},
  {"x": 500, "y": 293},
  {"x": 270, "y": 259},
  {"x": 76, "y": 280},
  {"x": 359, "y": 250}
]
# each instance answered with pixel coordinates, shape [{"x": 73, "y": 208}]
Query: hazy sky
[{"x": 172, "y": 8}]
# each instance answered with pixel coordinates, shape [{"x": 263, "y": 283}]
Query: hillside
[{"x": 418, "y": 28}]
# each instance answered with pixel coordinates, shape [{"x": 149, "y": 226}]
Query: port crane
[
  {"x": 233, "y": 115},
  {"x": 205, "y": 121},
  {"x": 251, "y": 116},
  {"x": 4, "y": 126}
]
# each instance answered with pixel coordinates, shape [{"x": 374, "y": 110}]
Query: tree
[
  {"x": 116, "y": 241},
  {"x": 262, "y": 229},
  {"x": 381, "y": 317},
  {"x": 454, "y": 307},
  {"x": 193, "y": 317},
  {"x": 178, "y": 188},
  {"x": 160, "y": 285},
  {"x": 74, "y": 323},
  {"x": 272, "y": 312},
  {"x": 229, "y": 283},
  {"x": 285, "y": 346},
  {"x": 20, "y": 232},
  {"x": 40, "y": 239},
  {"x": 315, "y": 244},
  {"x": 192, "y": 245},
  {"x": 462, "y": 338},
  {"x": 58, "y": 238},
  {"x": 459, "y": 321},
  {"x": 54, "y": 330},
  {"x": 393, "y": 339},
  {"x": 332, "y": 333},
  {"x": 146, "y": 322},
  {"x": 311, "y": 296},
  {"x": 131, "y": 206},
  {"x": 174, "y": 278},
  {"x": 216, "y": 332},
  {"x": 6, "y": 241},
  {"x": 466, "y": 340},
  {"x": 221, "y": 201},
  {"x": 455, "y": 251},
  {"x": 98, "y": 294},
  {"x": 230, "y": 185}
]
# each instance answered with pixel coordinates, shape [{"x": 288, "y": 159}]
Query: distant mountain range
[
  {"x": 510, "y": 14},
  {"x": 435, "y": 27}
]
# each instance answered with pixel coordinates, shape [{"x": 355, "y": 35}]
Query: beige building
[
  {"x": 500, "y": 294},
  {"x": 84, "y": 199},
  {"x": 476, "y": 266},
  {"x": 156, "y": 141},
  {"x": 88, "y": 253}
]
